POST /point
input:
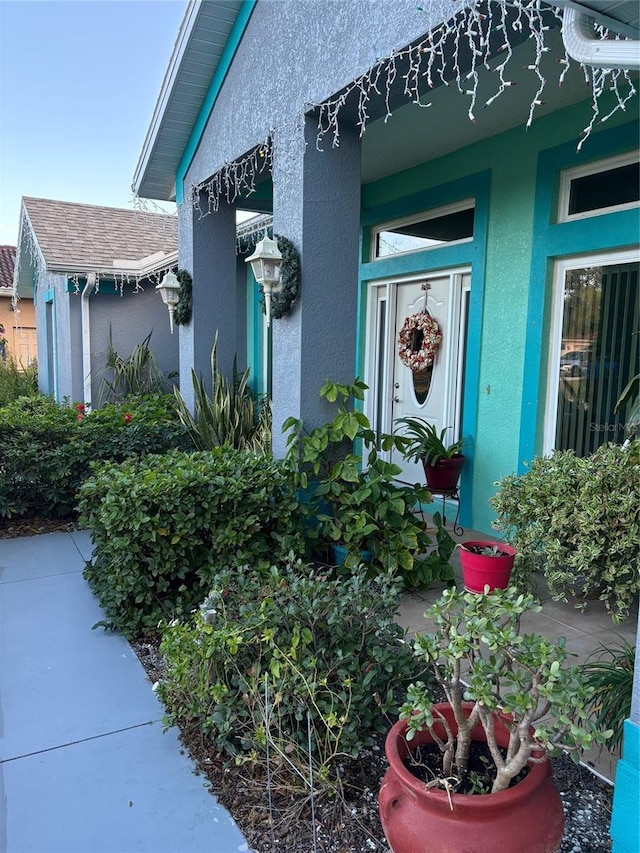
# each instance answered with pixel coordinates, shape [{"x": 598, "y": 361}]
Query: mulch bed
[
  {"x": 14, "y": 528},
  {"x": 348, "y": 822}
]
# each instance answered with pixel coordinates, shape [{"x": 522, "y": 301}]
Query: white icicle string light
[
  {"x": 234, "y": 179},
  {"x": 473, "y": 27}
]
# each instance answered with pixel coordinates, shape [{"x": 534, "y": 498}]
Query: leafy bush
[
  {"x": 579, "y": 520},
  {"x": 273, "y": 645},
  {"x": 16, "y": 381},
  {"x": 163, "y": 525},
  {"x": 477, "y": 654},
  {"x": 355, "y": 500},
  {"x": 47, "y": 449}
]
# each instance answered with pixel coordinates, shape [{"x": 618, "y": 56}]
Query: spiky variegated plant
[
  {"x": 230, "y": 416},
  {"x": 134, "y": 375}
]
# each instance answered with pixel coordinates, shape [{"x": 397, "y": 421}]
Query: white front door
[{"x": 397, "y": 391}]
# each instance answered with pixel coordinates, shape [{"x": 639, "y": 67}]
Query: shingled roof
[
  {"x": 7, "y": 262},
  {"x": 73, "y": 235}
]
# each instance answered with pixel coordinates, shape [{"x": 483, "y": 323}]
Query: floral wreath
[{"x": 419, "y": 340}]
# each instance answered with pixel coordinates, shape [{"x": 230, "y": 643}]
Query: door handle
[{"x": 396, "y": 399}]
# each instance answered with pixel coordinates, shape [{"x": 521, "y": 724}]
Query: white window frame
[
  {"x": 562, "y": 266},
  {"x": 584, "y": 171},
  {"x": 423, "y": 216}
]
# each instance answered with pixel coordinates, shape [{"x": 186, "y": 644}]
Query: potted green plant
[
  {"x": 442, "y": 461},
  {"x": 608, "y": 673},
  {"x": 576, "y": 519},
  {"x": 485, "y": 564},
  {"x": 352, "y": 498},
  {"x": 485, "y": 750}
]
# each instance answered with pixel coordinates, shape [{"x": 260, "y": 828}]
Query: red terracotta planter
[
  {"x": 444, "y": 475},
  {"x": 527, "y": 818},
  {"x": 480, "y": 570}
]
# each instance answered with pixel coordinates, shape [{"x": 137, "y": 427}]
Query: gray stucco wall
[
  {"x": 295, "y": 52},
  {"x": 131, "y": 317},
  {"x": 316, "y": 198}
]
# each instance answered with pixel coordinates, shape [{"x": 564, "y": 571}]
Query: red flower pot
[
  {"x": 444, "y": 475},
  {"x": 526, "y": 818},
  {"x": 480, "y": 570}
]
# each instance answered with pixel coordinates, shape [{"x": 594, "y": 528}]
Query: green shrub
[
  {"x": 354, "y": 498},
  {"x": 579, "y": 520},
  {"x": 272, "y": 645},
  {"x": 162, "y": 526},
  {"x": 16, "y": 381},
  {"x": 47, "y": 449}
]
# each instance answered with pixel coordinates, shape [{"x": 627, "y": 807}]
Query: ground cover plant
[
  {"x": 163, "y": 524},
  {"x": 47, "y": 448}
]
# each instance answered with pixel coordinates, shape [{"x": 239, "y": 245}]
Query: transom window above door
[
  {"x": 441, "y": 226},
  {"x": 601, "y": 187}
]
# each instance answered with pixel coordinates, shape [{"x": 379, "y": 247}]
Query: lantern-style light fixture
[
  {"x": 169, "y": 290},
  {"x": 266, "y": 262}
]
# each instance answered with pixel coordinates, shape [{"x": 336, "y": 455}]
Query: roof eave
[{"x": 168, "y": 83}]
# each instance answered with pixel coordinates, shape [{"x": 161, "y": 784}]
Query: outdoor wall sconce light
[
  {"x": 168, "y": 289},
  {"x": 265, "y": 263}
]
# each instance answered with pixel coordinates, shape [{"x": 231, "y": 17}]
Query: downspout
[
  {"x": 86, "y": 339},
  {"x": 581, "y": 45}
]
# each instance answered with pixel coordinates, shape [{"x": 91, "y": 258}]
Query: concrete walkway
[{"x": 84, "y": 764}]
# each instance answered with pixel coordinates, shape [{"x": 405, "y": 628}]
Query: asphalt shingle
[
  {"x": 94, "y": 236},
  {"x": 7, "y": 263}
]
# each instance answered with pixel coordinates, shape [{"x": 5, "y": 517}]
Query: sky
[{"x": 78, "y": 83}]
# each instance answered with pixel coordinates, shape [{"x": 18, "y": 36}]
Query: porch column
[
  {"x": 208, "y": 253},
  {"x": 316, "y": 205},
  {"x": 625, "y": 819}
]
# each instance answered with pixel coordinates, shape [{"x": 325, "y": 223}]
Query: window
[
  {"x": 603, "y": 187},
  {"x": 446, "y": 225},
  {"x": 597, "y": 319}
]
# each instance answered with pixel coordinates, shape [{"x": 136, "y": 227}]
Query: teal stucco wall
[{"x": 514, "y": 178}]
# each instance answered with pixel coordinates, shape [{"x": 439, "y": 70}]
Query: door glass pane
[
  {"x": 422, "y": 384},
  {"x": 381, "y": 345},
  {"x": 599, "y": 355}
]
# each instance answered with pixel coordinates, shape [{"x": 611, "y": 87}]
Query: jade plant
[
  {"x": 354, "y": 499},
  {"x": 477, "y": 656},
  {"x": 578, "y": 520}
]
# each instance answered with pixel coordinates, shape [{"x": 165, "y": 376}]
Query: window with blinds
[{"x": 599, "y": 354}]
